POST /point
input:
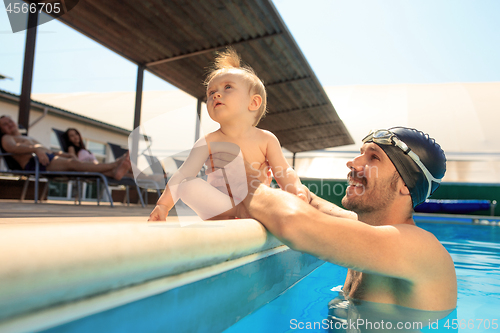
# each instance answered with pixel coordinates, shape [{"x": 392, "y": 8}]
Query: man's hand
[
  {"x": 42, "y": 156},
  {"x": 159, "y": 213}
]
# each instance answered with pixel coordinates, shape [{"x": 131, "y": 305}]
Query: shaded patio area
[{"x": 14, "y": 211}]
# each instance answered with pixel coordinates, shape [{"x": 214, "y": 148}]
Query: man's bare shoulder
[
  {"x": 424, "y": 248},
  {"x": 7, "y": 137},
  {"x": 8, "y": 140},
  {"x": 20, "y": 138},
  {"x": 415, "y": 233}
]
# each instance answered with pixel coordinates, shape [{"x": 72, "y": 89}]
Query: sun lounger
[
  {"x": 154, "y": 179},
  {"x": 37, "y": 175},
  {"x": 127, "y": 182}
]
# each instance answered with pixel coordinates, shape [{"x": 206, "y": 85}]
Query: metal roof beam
[
  {"x": 187, "y": 55},
  {"x": 308, "y": 108},
  {"x": 315, "y": 139},
  {"x": 305, "y": 127},
  {"x": 273, "y": 84}
]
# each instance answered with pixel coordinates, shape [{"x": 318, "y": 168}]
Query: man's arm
[
  {"x": 331, "y": 209},
  {"x": 63, "y": 154},
  {"x": 12, "y": 146},
  {"x": 402, "y": 251}
]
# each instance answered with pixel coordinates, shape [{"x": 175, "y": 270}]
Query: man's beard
[{"x": 376, "y": 197}]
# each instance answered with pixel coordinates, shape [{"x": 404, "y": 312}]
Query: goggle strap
[{"x": 407, "y": 150}]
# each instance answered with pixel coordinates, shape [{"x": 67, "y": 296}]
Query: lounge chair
[
  {"x": 127, "y": 182},
  {"x": 13, "y": 168},
  {"x": 156, "y": 171},
  {"x": 117, "y": 150}
]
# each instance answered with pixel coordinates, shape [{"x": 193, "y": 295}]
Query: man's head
[
  {"x": 229, "y": 63},
  {"x": 374, "y": 182},
  {"x": 8, "y": 126},
  {"x": 418, "y": 159}
]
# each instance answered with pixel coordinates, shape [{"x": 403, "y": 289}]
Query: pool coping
[
  {"x": 54, "y": 261},
  {"x": 69, "y": 312}
]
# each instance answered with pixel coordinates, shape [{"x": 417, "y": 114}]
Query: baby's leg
[
  {"x": 204, "y": 199},
  {"x": 228, "y": 215}
]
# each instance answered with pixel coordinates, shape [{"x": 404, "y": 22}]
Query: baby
[{"x": 236, "y": 99}]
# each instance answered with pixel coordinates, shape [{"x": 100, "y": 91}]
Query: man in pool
[
  {"x": 390, "y": 259},
  {"x": 24, "y": 146}
]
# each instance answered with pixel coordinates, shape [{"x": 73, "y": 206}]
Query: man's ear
[
  {"x": 255, "y": 103},
  {"x": 405, "y": 190}
]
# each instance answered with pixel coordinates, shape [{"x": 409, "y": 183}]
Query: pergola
[{"x": 177, "y": 39}]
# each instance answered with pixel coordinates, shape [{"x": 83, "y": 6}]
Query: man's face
[
  {"x": 7, "y": 125},
  {"x": 372, "y": 181}
]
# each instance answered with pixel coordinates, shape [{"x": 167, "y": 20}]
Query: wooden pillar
[
  {"x": 198, "y": 121},
  {"x": 137, "y": 116},
  {"x": 29, "y": 59}
]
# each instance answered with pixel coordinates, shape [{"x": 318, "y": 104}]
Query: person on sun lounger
[{"x": 23, "y": 146}]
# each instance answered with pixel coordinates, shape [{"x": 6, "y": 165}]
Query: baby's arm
[
  {"x": 283, "y": 173},
  {"x": 189, "y": 169}
]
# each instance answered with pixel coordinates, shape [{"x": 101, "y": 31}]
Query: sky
[{"x": 356, "y": 42}]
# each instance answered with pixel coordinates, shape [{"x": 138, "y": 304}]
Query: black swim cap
[{"x": 430, "y": 154}]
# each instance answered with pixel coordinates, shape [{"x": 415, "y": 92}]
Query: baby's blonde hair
[{"x": 228, "y": 60}]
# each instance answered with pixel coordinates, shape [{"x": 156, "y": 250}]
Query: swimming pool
[
  {"x": 228, "y": 275},
  {"x": 475, "y": 249}
]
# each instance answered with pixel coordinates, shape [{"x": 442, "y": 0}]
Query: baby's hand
[
  {"x": 159, "y": 213},
  {"x": 304, "y": 193}
]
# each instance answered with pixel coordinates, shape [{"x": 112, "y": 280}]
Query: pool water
[{"x": 475, "y": 250}]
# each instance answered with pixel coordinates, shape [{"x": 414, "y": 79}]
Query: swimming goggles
[{"x": 386, "y": 137}]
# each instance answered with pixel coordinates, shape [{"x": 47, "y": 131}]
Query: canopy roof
[
  {"x": 176, "y": 40},
  {"x": 463, "y": 118}
]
